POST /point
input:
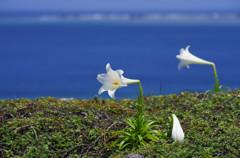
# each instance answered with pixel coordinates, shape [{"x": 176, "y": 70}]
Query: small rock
[{"x": 134, "y": 156}]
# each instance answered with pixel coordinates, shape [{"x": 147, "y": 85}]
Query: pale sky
[{"x": 118, "y": 5}]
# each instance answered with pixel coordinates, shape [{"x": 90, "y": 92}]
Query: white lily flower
[
  {"x": 177, "y": 132},
  {"x": 186, "y": 58},
  {"x": 112, "y": 80}
]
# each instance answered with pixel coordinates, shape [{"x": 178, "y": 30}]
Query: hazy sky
[{"x": 118, "y": 5}]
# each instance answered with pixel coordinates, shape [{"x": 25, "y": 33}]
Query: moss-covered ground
[{"x": 50, "y": 127}]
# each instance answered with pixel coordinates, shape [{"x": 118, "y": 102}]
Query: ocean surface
[{"x": 62, "y": 58}]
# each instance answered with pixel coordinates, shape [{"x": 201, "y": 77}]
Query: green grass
[{"x": 50, "y": 127}]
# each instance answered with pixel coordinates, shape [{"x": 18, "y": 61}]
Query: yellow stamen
[{"x": 115, "y": 83}]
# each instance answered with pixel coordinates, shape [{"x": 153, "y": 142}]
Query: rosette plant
[
  {"x": 140, "y": 130},
  {"x": 186, "y": 58}
]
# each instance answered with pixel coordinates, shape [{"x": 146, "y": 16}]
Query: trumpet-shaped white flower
[
  {"x": 186, "y": 58},
  {"x": 177, "y": 132},
  {"x": 112, "y": 80}
]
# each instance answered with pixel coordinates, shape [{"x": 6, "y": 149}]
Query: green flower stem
[
  {"x": 217, "y": 87},
  {"x": 140, "y": 107},
  {"x": 139, "y": 115}
]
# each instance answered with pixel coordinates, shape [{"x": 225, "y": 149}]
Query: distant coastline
[{"x": 118, "y": 16}]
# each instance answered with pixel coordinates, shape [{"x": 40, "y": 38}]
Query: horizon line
[{"x": 121, "y": 11}]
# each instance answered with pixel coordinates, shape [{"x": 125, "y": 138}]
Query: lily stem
[
  {"x": 217, "y": 87},
  {"x": 139, "y": 115},
  {"x": 140, "y": 107}
]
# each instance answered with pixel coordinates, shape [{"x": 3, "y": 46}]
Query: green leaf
[
  {"x": 170, "y": 127},
  {"x": 130, "y": 123}
]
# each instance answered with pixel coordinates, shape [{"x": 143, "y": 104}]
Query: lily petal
[
  {"x": 111, "y": 85},
  {"x": 108, "y": 67},
  {"x": 113, "y": 75},
  {"x": 182, "y": 50},
  {"x": 183, "y": 63},
  {"x": 186, "y": 58},
  {"x": 101, "y": 78},
  {"x": 111, "y": 93},
  {"x": 129, "y": 81},
  {"x": 102, "y": 89},
  {"x": 120, "y": 72}
]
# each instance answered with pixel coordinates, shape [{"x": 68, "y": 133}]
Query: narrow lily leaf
[
  {"x": 152, "y": 137},
  {"x": 143, "y": 143},
  {"x": 122, "y": 132},
  {"x": 156, "y": 132},
  {"x": 149, "y": 125},
  {"x": 123, "y": 142},
  {"x": 123, "y": 146},
  {"x": 170, "y": 127},
  {"x": 130, "y": 129},
  {"x": 130, "y": 123}
]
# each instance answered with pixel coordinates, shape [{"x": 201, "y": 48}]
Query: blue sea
[{"x": 62, "y": 58}]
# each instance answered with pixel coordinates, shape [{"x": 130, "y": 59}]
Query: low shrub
[{"x": 51, "y": 127}]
